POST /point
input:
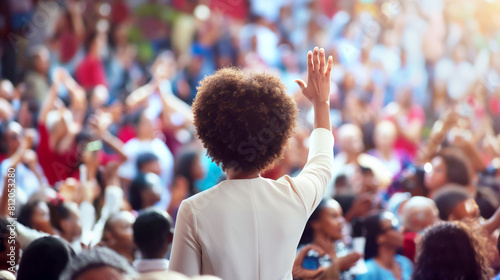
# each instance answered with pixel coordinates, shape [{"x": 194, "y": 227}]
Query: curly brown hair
[
  {"x": 244, "y": 119},
  {"x": 453, "y": 250}
]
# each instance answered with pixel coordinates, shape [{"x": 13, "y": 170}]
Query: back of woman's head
[
  {"x": 244, "y": 119},
  {"x": 451, "y": 250},
  {"x": 59, "y": 211},
  {"x": 45, "y": 258},
  {"x": 458, "y": 166},
  {"x": 138, "y": 185},
  {"x": 448, "y": 200},
  {"x": 27, "y": 212}
]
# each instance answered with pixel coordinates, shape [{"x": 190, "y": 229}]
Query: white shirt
[
  {"x": 250, "y": 228},
  {"x": 150, "y": 265}
]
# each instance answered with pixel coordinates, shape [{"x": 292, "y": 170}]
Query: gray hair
[{"x": 95, "y": 258}]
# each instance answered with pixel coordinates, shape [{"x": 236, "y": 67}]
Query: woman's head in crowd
[
  {"x": 325, "y": 223},
  {"x": 148, "y": 163},
  {"x": 36, "y": 215},
  {"x": 350, "y": 139},
  {"x": 144, "y": 191},
  {"x": 382, "y": 231},
  {"x": 456, "y": 204},
  {"x": 244, "y": 119},
  {"x": 189, "y": 166},
  {"x": 45, "y": 258},
  {"x": 449, "y": 166},
  {"x": 452, "y": 250},
  {"x": 99, "y": 263},
  {"x": 65, "y": 218}
]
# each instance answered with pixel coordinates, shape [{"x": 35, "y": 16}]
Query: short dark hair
[
  {"x": 462, "y": 253},
  {"x": 45, "y": 258},
  {"x": 448, "y": 200},
  {"x": 145, "y": 158},
  {"x": 152, "y": 231},
  {"x": 137, "y": 186},
  {"x": 96, "y": 258},
  {"x": 27, "y": 212},
  {"x": 59, "y": 211},
  {"x": 243, "y": 118},
  {"x": 458, "y": 166}
]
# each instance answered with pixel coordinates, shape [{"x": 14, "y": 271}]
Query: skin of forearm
[{"x": 322, "y": 115}]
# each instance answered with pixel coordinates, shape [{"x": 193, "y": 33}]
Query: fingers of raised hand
[
  {"x": 316, "y": 59},
  {"x": 310, "y": 66},
  {"x": 322, "y": 61},
  {"x": 329, "y": 66}
]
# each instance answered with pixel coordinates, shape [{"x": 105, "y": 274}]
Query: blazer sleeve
[
  {"x": 311, "y": 183},
  {"x": 186, "y": 250}
]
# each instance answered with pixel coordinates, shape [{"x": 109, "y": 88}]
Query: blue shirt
[{"x": 376, "y": 272}]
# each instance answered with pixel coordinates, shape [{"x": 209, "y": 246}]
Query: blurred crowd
[{"x": 95, "y": 119}]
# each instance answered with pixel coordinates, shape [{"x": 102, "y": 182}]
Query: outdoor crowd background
[{"x": 95, "y": 95}]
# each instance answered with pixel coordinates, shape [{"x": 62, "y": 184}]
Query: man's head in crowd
[
  {"x": 456, "y": 204},
  {"x": 99, "y": 263},
  {"x": 385, "y": 135},
  {"x": 144, "y": 191},
  {"x": 418, "y": 213},
  {"x": 153, "y": 233},
  {"x": 39, "y": 58},
  {"x": 144, "y": 125},
  {"x": 118, "y": 234},
  {"x": 148, "y": 163},
  {"x": 45, "y": 258},
  {"x": 244, "y": 119},
  {"x": 350, "y": 139},
  {"x": 449, "y": 166}
]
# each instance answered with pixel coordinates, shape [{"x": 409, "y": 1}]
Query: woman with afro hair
[{"x": 248, "y": 227}]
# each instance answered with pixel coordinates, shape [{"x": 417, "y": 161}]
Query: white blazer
[{"x": 250, "y": 228}]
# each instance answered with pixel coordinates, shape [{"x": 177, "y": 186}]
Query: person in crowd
[
  {"x": 189, "y": 168},
  {"x": 385, "y": 138},
  {"x": 417, "y": 214},
  {"x": 65, "y": 219},
  {"x": 452, "y": 250},
  {"x": 144, "y": 191},
  {"x": 99, "y": 263},
  {"x": 325, "y": 230},
  {"x": 45, "y": 258},
  {"x": 90, "y": 72},
  {"x": 383, "y": 239},
  {"x": 37, "y": 78},
  {"x": 153, "y": 233},
  {"x": 449, "y": 167},
  {"x": 456, "y": 204},
  {"x": 36, "y": 215},
  {"x": 146, "y": 141},
  {"x": 118, "y": 235},
  {"x": 350, "y": 140},
  {"x": 148, "y": 163},
  {"x": 409, "y": 119},
  {"x": 243, "y": 149}
]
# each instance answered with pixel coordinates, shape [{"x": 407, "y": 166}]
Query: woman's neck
[
  {"x": 386, "y": 258},
  {"x": 325, "y": 242},
  {"x": 233, "y": 174}
]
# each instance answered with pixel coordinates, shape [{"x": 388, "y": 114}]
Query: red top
[
  {"x": 416, "y": 113},
  {"x": 56, "y": 166},
  {"x": 409, "y": 246},
  {"x": 90, "y": 72}
]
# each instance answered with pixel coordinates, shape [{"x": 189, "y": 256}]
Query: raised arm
[
  {"x": 317, "y": 89},
  {"x": 48, "y": 103}
]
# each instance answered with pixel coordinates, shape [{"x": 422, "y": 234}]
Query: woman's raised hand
[{"x": 317, "y": 89}]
